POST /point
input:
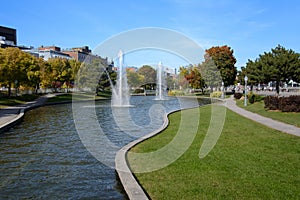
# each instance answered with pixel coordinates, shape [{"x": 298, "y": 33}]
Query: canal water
[{"x": 45, "y": 158}]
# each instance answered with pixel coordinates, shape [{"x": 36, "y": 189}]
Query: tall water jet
[
  {"x": 160, "y": 82},
  {"x": 120, "y": 94}
]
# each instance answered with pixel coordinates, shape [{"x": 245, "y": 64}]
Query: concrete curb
[
  {"x": 13, "y": 122},
  {"x": 22, "y": 110},
  {"x": 131, "y": 186}
]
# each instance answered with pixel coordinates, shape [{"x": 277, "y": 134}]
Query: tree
[
  {"x": 33, "y": 71},
  {"x": 61, "y": 72},
  {"x": 210, "y": 73},
  {"x": 279, "y": 65},
  {"x": 193, "y": 76},
  {"x": 75, "y": 66},
  {"x": 135, "y": 79},
  {"x": 107, "y": 79},
  {"x": 89, "y": 75},
  {"x": 224, "y": 61},
  {"x": 17, "y": 68},
  {"x": 183, "y": 83},
  {"x": 149, "y": 76}
]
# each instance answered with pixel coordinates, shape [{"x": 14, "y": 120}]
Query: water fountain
[
  {"x": 120, "y": 94},
  {"x": 160, "y": 82}
]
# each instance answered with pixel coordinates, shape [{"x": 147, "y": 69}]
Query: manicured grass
[
  {"x": 249, "y": 161},
  {"x": 258, "y": 107},
  {"x": 70, "y": 97},
  {"x": 12, "y": 101}
]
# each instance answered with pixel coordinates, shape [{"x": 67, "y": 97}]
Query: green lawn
[
  {"x": 12, "y": 101},
  {"x": 258, "y": 107},
  {"x": 75, "y": 96},
  {"x": 249, "y": 161}
]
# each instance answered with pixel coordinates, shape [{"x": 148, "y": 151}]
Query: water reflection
[{"x": 44, "y": 158}]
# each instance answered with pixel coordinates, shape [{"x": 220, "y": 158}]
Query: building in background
[
  {"x": 82, "y": 54},
  {"x": 47, "y": 52},
  {"x": 8, "y": 37}
]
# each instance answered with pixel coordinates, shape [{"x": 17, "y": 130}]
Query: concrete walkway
[
  {"x": 10, "y": 116},
  {"x": 280, "y": 126}
]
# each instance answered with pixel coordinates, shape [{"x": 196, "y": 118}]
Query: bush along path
[{"x": 286, "y": 128}]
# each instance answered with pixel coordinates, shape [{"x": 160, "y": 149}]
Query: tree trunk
[
  {"x": 277, "y": 87},
  {"x": 9, "y": 89}
]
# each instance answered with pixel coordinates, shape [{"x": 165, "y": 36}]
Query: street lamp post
[
  {"x": 245, "y": 102},
  {"x": 222, "y": 89}
]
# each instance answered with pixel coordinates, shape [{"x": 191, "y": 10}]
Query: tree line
[
  {"x": 217, "y": 69},
  {"x": 280, "y": 65},
  {"x": 19, "y": 69}
]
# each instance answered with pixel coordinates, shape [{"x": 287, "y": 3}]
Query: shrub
[
  {"x": 138, "y": 90},
  {"x": 175, "y": 93},
  {"x": 289, "y": 104},
  {"x": 237, "y": 95},
  {"x": 251, "y": 98},
  {"x": 285, "y": 104},
  {"x": 216, "y": 94},
  {"x": 271, "y": 103},
  {"x": 254, "y": 98}
]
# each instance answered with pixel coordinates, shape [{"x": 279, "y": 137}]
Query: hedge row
[
  {"x": 237, "y": 95},
  {"x": 285, "y": 104},
  {"x": 251, "y": 97}
]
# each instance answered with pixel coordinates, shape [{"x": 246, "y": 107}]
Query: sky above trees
[{"x": 248, "y": 27}]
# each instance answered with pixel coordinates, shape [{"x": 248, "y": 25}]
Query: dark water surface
[{"x": 44, "y": 158}]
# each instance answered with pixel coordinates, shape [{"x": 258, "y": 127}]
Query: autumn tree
[
  {"x": 182, "y": 82},
  {"x": 224, "y": 60},
  {"x": 194, "y": 78},
  {"x": 60, "y": 72},
  {"x": 75, "y": 66},
  {"x": 17, "y": 68}
]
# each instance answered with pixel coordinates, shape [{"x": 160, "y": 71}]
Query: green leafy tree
[
  {"x": 210, "y": 73},
  {"x": 279, "y": 65},
  {"x": 107, "y": 79},
  {"x": 135, "y": 79},
  {"x": 89, "y": 74},
  {"x": 33, "y": 71},
  {"x": 149, "y": 75}
]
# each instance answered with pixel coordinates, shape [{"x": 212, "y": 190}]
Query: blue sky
[{"x": 248, "y": 27}]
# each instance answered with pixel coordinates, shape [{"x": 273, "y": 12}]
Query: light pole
[
  {"x": 222, "y": 89},
  {"x": 246, "y": 79}
]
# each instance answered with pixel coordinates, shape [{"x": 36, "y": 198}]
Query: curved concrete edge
[
  {"x": 131, "y": 186},
  {"x": 13, "y": 122}
]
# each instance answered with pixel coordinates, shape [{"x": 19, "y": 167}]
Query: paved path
[
  {"x": 9, "y": 116},
  {"x": 280, "y": 126}
]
